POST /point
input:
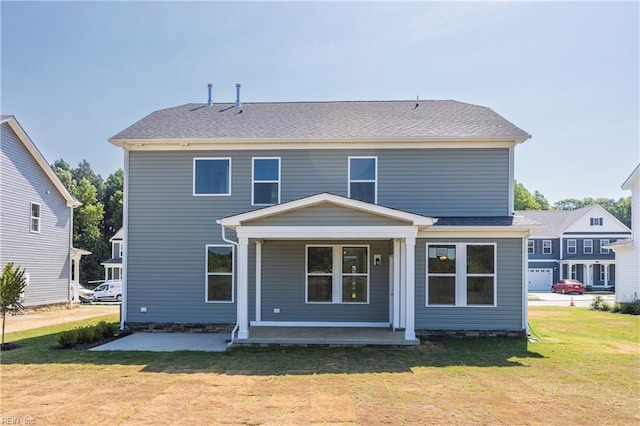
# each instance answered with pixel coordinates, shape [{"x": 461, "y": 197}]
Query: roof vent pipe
[
  {"x": 209, "y": 101},
  {"x": 238, "y": 104}
]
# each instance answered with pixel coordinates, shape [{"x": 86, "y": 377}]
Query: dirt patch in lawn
[{"x": 31, "y": 320}]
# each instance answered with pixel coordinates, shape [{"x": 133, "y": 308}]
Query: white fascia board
[
  {"x": 42, "y": 162},
  {"x": 326, "y": 232},
  {"x": 236, "y": 220},
  {"x": 468, "y": 232},
  {"x": 315, "y": 144},
  {"x": 633, "y": 177}
]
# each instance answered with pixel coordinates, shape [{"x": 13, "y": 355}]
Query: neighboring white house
[
  {"x": 113, "y": 266},
  {"x": 628, "y": 250},
  {"x": 36, "y": 219}
]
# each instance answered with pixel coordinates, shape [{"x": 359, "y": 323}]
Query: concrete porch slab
[{"x": 333, "y": 336}]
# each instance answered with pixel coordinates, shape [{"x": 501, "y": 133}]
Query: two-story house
[
  {"x": 113, "y": 265},
  {"x": 628, "y": 250},
  {"x": 573, "y": 244},
  {"x": 393, "y": 214},
  {"x": 36, "y": 219}
]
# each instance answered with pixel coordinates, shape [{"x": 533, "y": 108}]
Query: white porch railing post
[
  {"x": 410, "y": 307},
  {"x": 242, "y": 304}
]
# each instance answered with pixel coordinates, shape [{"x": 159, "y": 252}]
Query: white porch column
[
  {"x": 258, "y": 280},
  {"x": 606, "y": 274},
  {"x": 76, "y": 278},
  {"x": 242, "y": 304},
  {"x": 396, "y": 284},
  {"x": 410, "y": 307}
]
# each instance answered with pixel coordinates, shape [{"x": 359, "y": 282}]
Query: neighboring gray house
[
  {"x": 628, "y": 250},
  {"x": 113, "y": 265},
  {"x": 36, "y": 218},
  {"x": 573, "y": 244},
  {"x": 391, "y": 214}
]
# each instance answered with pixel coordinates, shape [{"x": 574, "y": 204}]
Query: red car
[{"x": 568, "y": 286}]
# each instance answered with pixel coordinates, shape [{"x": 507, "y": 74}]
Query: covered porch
[
  {"x": 340, "y": 222},
  {"x": 598, "y": 273}
]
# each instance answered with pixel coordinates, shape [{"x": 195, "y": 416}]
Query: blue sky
[{"x": 76, "y": 73}]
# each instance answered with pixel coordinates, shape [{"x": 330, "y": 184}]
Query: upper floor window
[
  {"x": 546, "y": 247},
  {"x": 531, "y": 246},
  {"x": 603, "y": 243},
  {"x": 363, "y": 179},
  {"x": 461, "y": 274},
  {"x": 35, "y": 217},
  {"x": 212, "y": 176},
  {"x": 571, "y": 246},
  {"x": 266, "y": 181},
  {"x": 116, "y": 250},
  {"x": 596, "y": 221},
  {"x": 587, "y": 247},
  {"x": 219, "y": 285}
]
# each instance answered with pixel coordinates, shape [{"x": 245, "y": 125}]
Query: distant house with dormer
[
  {"x": 113, "y": 265},
  {"x": 573, "y": 244}
]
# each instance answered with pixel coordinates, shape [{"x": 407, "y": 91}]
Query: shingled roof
[{"x": 324, "y": 120}]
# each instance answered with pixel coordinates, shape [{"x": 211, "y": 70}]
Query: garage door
[{"x": 540, "y": 279}]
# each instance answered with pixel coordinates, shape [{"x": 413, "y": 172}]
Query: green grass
[{"x": 582, "y": 370}]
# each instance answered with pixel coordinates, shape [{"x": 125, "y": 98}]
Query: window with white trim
[
  {"x": 573, "y": 272},
  {"x": 587, "y": 246},
  {"x": 35, "y": 217},
  {"x": 572, "y": 246},
  {"x": 603, "y": 270},
  {"x": 266, "y": 181},
  {"x": 363, "y": 179},
  {"x": 546, "y": 247},
  {"x": 211, "y": 176},
  {"x": 531, "y": 246},
  {"x": 596, "y": 221},
  {"x": 603, "y": 243},
  {"x": 219, "y": 273},
  {"x": 337, "y": 274},
  {"x": 117, "y": 250},
  {"x": 461, "y": 274}
]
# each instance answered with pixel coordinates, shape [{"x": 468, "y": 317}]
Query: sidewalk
[
  {"x": 23, "y": 322},
  {"x": 557, "y": 299}
]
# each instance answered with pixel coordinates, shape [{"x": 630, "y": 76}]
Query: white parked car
[
  {"x": 109, "y": 290},
  {"x": 84, "y": 294}
]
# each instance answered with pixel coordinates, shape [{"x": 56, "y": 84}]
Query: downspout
[{"x": 226, "y": 240}]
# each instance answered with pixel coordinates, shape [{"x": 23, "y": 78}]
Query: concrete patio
[{"x": 334, "y": 336}]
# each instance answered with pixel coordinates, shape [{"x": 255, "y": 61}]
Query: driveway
[
  {"x": 557, "y": 299},
  {"x": 28, "y": 321}
]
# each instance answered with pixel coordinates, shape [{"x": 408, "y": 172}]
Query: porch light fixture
[{"x": 442, "y": 257}]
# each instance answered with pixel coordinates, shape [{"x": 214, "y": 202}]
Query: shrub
[
  {"x": 105, "y": 330},
  {"x": 599, "y": 304},
  {"x": 67, "y": 339},
  {"x": 631, "y": 308},
  {"x": 86, "y": 334}
]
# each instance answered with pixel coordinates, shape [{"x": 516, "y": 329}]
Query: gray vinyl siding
[
  {"x": 169, "y": 227},
  {"x": 326, "y": 215},
  {"x": 283, "y": 285},
  {"x": 44, "y": 255},
  {"x": 506, "y": 315}
]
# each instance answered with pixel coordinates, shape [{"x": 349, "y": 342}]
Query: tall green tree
[
  {"x": 113, "y": 203},
  {"x": 523, "y": 200}
]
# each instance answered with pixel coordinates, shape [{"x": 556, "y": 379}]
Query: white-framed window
[
  {"x": 603, "y": 243},
  {"x": 573, "y": 272},
  {"x": 546, "y": 247},
  {"x": 337, "y": 274},
  {"x": 35, "y": 218},
  {"x": 265, "y": 184},
  {"x": 603, "y": 269},
  {"x": 117, "y": 250},
  {"x": 211, "y": 176},
  {"x": 596, "y": 221},
  {"x": 461, "y": 274},
  {"x": 219, "y": 280},
  {"x": 572, "y": 246},
  {"x": 531, "y": 246},
  {"x": 363, "y": 179},
  {"x": 587, "y": 246}
]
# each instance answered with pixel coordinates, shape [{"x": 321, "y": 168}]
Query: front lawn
[{"x": 583, "y": 370}]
